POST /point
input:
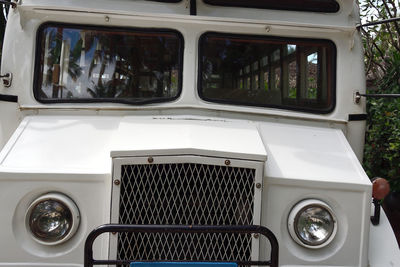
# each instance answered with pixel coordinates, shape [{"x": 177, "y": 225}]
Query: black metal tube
[
  {"x": 119, "y": 228},
  {"x": 378, "y": 22},
  {"x": 381, "y": 95},
  {"x": 118, "y": 262}
]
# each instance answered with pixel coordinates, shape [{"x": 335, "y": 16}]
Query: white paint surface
[
  {"x": 383, "y": 248},
  {"x": 72, "y": 154},
  {"x": 180, "y": 135},
  {"x": 310, "y": 153},
  {"x": 61, "y": 145},
  {"x": 57, "y": 150},
  {"x": 85, "y": 144}
]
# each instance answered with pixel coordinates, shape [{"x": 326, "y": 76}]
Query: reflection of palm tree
[
  {"x": 101, "y": 56},
  {"x": 119, "y": 65},
  {"x": 74, "y": 70},
  {"x": 54, "y": 59},
  {"x": 101, "y": 90}
]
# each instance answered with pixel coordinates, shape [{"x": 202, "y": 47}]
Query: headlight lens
[
  {"x": 312, "y": 224},
  {"x": 52, "y": 219}
]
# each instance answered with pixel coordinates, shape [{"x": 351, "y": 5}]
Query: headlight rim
[
  {"x": 295, "y": 213},
  {"x": 66, "y": 201}
]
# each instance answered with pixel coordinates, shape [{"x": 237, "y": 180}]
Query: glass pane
[
  {"x": 312, "y": 77},
  {"x": 255, "y": 66},
  {"x": 256, "y": 82},
  {"x": 292, "y": 79},
  {"x": 291, "y": 49},
  {"x": 277, "y": 79},
  {"x": 108, "y": 65},
  {"x": 276, "y": 55},
  {"x": 248, "y": 83},
  {"x": 264, "y": 61},
  {"x": 299, "y": 75},
  {"x": 266, "y": 80}
]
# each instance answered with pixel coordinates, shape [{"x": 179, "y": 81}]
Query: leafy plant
[
  {"x": 382, "y": 60},
  {"x": 382, "y": 148}
]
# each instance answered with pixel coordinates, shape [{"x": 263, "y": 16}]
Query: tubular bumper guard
[{"x": 234, "y": 229}]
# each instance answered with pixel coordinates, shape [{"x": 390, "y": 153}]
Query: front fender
[{"x": 383, "y": 247}]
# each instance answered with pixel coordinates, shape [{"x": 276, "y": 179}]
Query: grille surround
[{"x": 227, "y": 186}]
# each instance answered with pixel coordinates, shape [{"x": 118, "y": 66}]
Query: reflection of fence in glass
[
  {"x": 312, "y": 75},
  {"x": 100, "y": 64},
  {"x": 268, "y": 71},
  {"x": 292, "y": 79}
]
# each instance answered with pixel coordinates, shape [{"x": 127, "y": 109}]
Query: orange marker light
[{"x": 380, "y": 188}]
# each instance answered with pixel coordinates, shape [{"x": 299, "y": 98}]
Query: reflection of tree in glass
[
  {"x": 277, "y": 79},
  {"x": 52, "y": 77},
  {"x": 88, "y": 63},
  {"x": 293, "y": 79},
  {"x": 102, "y": 90},
  {"x": 312, "y": 88},
  {"x": 53, "y": 56},
  {"x": 101, "y": 57},
  {"x": 266, "y": 80},
  {"x": 312, "y": 75},
  {"x": 74, "y": 70}
]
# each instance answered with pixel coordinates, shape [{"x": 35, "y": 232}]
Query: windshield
[
  {"x": 261, "y": 71},
  {"x": 92, "y": 64}
]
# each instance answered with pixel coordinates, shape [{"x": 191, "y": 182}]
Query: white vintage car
[{"x": 170, "y": 115}]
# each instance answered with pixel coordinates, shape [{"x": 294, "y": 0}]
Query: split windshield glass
[
  {"x": 287, "y": 73},
  {"x": 91, "y": 64}
]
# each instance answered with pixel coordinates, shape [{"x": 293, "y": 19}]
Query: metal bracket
[
  {"x": 357, "y": 96},
  {"x": 352, "y": 39},
  {"x": 377, "y": 212},
  {"x": 7, "y": 79}
]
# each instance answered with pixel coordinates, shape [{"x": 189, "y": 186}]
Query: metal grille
[{"x": 185, "y": 194}]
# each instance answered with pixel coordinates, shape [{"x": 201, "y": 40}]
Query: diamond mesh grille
[{"x": 185, "y": 194}]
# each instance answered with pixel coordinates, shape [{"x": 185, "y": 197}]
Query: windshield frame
[
  {"x": 333, "y": 72},
  {"x": 38, "y": 72}
]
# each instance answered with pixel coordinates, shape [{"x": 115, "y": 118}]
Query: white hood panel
[
  {"x": 60, "y": 145},
  {"x": 183, "y": 136},
  {"x": 68, "y": 144},
  {"x": 315, "y": 154}
]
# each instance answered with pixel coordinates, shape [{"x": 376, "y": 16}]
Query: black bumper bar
[{"x": 238, "y": 229}]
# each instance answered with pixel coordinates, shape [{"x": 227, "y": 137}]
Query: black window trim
[
  {"x": 266, "y": 37},
  {"x": 165, "y": 1},
  {"x": 284, "y": 8},
  {"x": 37, "y": 68}
]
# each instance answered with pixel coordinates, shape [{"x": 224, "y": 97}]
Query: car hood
[{"x": 87, "y": 144}]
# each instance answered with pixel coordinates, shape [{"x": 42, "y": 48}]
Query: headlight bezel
[
  {"x": 294, "y": 215},
  {"x": 63, "y": 200}
]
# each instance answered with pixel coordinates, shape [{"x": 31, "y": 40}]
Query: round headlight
[
  {"x": 312, "y": 224},
  {"x": 52, "y": 219}
]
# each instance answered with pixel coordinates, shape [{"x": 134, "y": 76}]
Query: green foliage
[
  {"x": 382, "y": 149},
  {"x": 379, "y": 40},
  {"x": 382, "y": 58}
]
